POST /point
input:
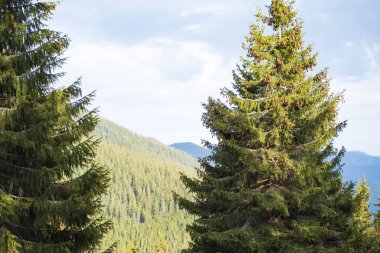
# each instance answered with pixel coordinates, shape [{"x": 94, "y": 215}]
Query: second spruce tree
[{"x": 273, "y": 182}]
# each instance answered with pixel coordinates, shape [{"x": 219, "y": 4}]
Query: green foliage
[
  {"x": 273, "y": 182},
  {"x": 50, "y": 184},
  {"x": 8, "y": 241},
  {"x": 144, "y": 175},
  {"x": 161, "y": 245},
  {"x": 363, "y": 236},
  {"x": 131, "y": 249},
  {"x": 374, "y": 241},
  {"x": 377, "y": 218},
  {"x": 362, "y": 216}
]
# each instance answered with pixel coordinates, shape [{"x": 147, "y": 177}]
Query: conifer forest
[{"x": 74, "y": 182}]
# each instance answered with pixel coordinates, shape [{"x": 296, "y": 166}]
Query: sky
[{"x": 154, "y": 62}]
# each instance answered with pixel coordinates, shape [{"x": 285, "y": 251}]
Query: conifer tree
[
  {"x": 161, "y": 245},
  {"x": 362, "y": 215},
  {"x": 364, "y": 238},
  {"x": 273, "y": 182},
  {"x": 50, "y": 186},
  {"x": 133, "y": 248}
]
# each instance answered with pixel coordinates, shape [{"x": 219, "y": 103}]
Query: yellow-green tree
[
  {"x": 364, "y": 235},
  {"x": 132, "y": 248},
  {"x": 161, "y": 245},
  {"x": 362, "y": 216},
  {"x": 8, "y": 241}
]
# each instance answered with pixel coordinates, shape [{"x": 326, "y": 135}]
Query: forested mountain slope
[
  {"x": 144, "y": 173},
  {"x": 192, "y": 149}
]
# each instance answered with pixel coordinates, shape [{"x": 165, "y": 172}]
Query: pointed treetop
[{"x": 281, "y": 14}]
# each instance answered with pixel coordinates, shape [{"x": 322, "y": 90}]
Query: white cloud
[
  {"x": 217, "y": 8},
  {"x": 349, "y": 44},
  {"x": 154, "y": 87},
  {"x": 324, "y": 17},
  {"x": 194, "y": 27},
  {"x": 362, "y": 110},
  {"x": 372, "y": 52}
]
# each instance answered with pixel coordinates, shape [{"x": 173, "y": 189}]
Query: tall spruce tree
[
  {"x": 273, "y": 182},
  {"x": 50, "y": 186}
]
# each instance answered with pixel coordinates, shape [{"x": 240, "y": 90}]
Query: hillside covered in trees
[{"x": 144, "y": 173}]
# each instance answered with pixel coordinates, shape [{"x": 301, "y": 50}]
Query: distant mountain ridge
[
  {"x": 192, "y": 149},
  {"x": 358, "y": 165}
]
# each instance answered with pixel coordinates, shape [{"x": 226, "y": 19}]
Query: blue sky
[{"x": 153, "y": 62}]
